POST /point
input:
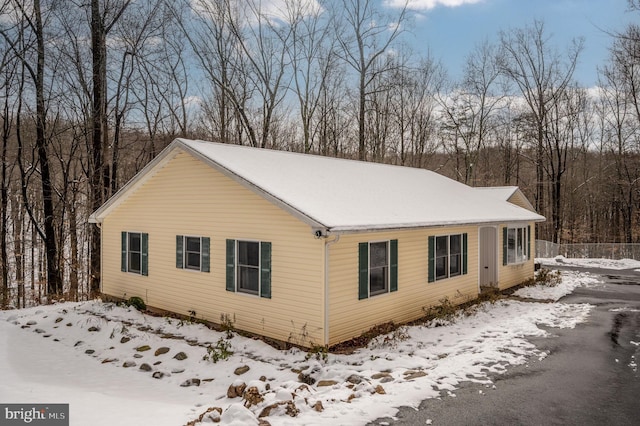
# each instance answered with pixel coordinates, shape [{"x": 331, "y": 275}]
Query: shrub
[
  {"x": 220, "y": 351},
  {"x": 137, "y": 303}
]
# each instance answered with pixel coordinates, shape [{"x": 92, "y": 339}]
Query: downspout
[{"x": 327, "y": 243}]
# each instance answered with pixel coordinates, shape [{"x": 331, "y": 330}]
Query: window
[
  {"x": 378, "y": 266},
  {"x": 192, "y": 253},
  {"x": 447, "y": 256},
  {"x": 515, "y": 244},
  {"x": 249, "y": 267},
  {"x": 135, "y": 257}
]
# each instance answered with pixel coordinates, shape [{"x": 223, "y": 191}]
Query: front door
[{"x": 488, "y": 256}]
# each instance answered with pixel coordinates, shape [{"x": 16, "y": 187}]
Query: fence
[{"x": 616, "y": 251}]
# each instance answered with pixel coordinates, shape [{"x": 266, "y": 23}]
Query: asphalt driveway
[{"x": 590, "y": 376}]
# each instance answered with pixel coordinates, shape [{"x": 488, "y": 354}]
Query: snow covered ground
[
  {"x": 590, "y": 263},
  {"x": 94, "y": 356}
]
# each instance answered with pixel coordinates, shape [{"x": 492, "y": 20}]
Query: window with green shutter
[
  {"x": 134, "y": 252},
  {"x": 447, "y": 256},
  {"x": 192, "y": 252},
  {"x": 248, "y": 267},
  {"x": 377, "y": 268}
]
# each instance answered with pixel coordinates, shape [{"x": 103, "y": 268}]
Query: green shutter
[
  {"x": 393, "y": 269},
  {"x": 231, "y": 265},
  {"x": 265, "y": 270},
  {"x": 464, "y": 253},
  {"x": 363, "y": 270},
  {"x": 179, "y": 251},
  {"x": 144, "y": 264},
  {"x": 205, "y": 243},
  {"x": 432, "y": 259},
  {"x": 529, "y": 238},
  {"x": 505, "y": 245},
  {"x": 123, "y": 258}
]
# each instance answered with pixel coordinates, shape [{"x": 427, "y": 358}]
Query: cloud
[{"x": 428, "y": 4}]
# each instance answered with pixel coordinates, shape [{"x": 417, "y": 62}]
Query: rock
[
  {"x": 380, "y": 390},
  {"x": 32, "y": 322},
  {"x": 190, "y": 382},
  {"x": 327, "y": 383},
  {"x": 157, "y": 363},
  {"x": 290, "y": 409},
  {"x": 161, "y": 351},
  {"x": 58, "y": 319},
  {"x": 235, "y": 391},
  {"x": 146, "y": 367},
  {"x": 39, "y": 331},
  {"x": 46, "y": 335},
  {"x": 354, "y": 378},
  {"x": 252, "y": 396},
  {"x": 180, "y": 356},
  {"x": 78, "y": 343},
  {"x": 143, "y": 348},
  {"x": 212, "y": 415},
  {"x": 241, "y": 370},
  {"x": 263, "y": 378},
  {"x": 380, "y": 375},
  {"x": 318, "y": 406},
  {"x": 413, "y": 375},
  {"x": 128, "y": 364},
  {"x": 93, "y": 328},
  {"x": 89, "y": 351},
  {"x": 158, "y": 375},
  {"x": 177, "y": 371},
  {"x": 69, "y": 324},
  {"x": 306, "y": 378},
  {"x": 137, "y": 356},
  {"x": 125, "y": 339},
  {"x": 386, "y": 379},
  {"x": 108, "y": 360}
]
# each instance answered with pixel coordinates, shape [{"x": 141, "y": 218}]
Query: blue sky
[{"x": 451, "y": 32}]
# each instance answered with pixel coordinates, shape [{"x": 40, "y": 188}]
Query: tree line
[{"x": 91, "y": 91}]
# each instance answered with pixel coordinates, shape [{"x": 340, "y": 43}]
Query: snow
[
  {"x": 590, "y": 263},
  {"x": 344, "y": 195},
  {"x": 46, "y": 356},
  {"x": 571, "y": 280}
]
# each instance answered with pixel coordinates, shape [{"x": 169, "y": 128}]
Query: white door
[{"x": 488, "y": 256}]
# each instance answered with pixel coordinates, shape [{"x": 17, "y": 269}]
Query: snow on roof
[
  {"x": 347, "y": 195},
  {"x": 500, "y": 192}
]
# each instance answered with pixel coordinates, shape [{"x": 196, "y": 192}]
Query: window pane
[
  {"x": 378, "y": 280},
  {"x": 455, "y": 242},
  {"x": 511, "y": 245},
  {"x": 248, "y": 279},
  {"x": 441, "y": 267},
  {"x": 134, "y": 242},
  {"x": 248, "y": 253},
  {"x": 378, "y": 254},
  {"x": 441, "y": 246},
  {"x": 193, "y": 244},
  {"x": 519, "y": 245},
  {"x": 134, "y": 262},
  {"x": 193, "y": 260},
  {"x": 454, "y": 265}
]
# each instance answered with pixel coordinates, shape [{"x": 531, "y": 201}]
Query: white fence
[{"x": 588, "y": 250}]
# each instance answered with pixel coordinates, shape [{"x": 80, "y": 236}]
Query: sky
[{"x": 450, "y": 29}]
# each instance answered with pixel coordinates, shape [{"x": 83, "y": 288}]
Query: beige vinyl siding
[
  {"x": 188, "y": 197},
  {"x": 512, "y": 275},
  {"x": 349, "y": 317},
  {"x": 520, "y": 200}
]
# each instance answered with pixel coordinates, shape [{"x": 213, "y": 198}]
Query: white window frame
[
  {"x": 185, "y": 252},
  {"x": 519, "y": 253},
  {"x": 129, "y": 251},
  {"x": 238, "y": 265},
  {"x": 387, "y": 275}
]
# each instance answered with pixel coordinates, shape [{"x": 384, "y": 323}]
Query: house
[{"x": 302, "y": 248}]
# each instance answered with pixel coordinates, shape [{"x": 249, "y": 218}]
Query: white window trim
[
  {"x": 184, "y": 253},
  {"x": 435, "y": 257},
  {"x": 525, "y": 246},
  {"x": 129, "y": 271},
  {"x": 237, "y": 265}
]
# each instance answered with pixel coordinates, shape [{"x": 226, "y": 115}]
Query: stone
[
  {"x": 241, "y": 370},
  {"x": 124, "y": 339},
  {"x": 157, "y": 363},
  {"x": 89, "y": 351},
  {"x": 158, "y": 375},
  {"x": 108, "y": 360},
  {"x": 263, "y": 378},
  {"x": 318, "y": 406},
  {"x": 58, "y": 319},
  {"x": 380, "y": 375},
  {"x": 137, "y": 356},
  {"x": 327, "y": 383},
  {"x": 190, "y": 382},
  {"x": 93, "y": 328},
  {"x": 414, "y": 375},
  {"x": 177, "y": 371},
  {"x": 143, "y": 348},
  {"x": 290, "y": 409},
  {"x": 69, "y": 324},
  {"x": 236, "y": 391},
  {"x": 146, "y": 367},
  {"x": 128, "y": 364},
  {"x": 180, "y": 356},
  {"x": 306, "y": 378},
  {"x": 386, "y": 379},
  {"x": 161, "y": 351},
  {"x": 32, "y": 322},
  {"x": 39, "y": 331},
  {"x": 380, "y": 390},
  {"x": 354, "y": 378},
  {"x": 252, "y": 396},
  {"x": 78, "y": 343}
]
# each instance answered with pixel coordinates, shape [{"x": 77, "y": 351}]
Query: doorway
[{"x": 488, "y": 256}]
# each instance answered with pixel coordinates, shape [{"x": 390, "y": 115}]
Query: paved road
[{"x": 589, "y": 378}]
